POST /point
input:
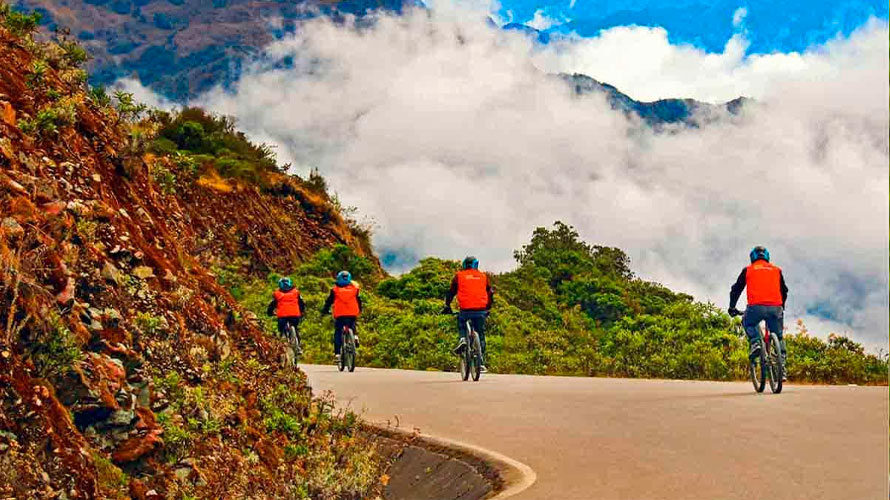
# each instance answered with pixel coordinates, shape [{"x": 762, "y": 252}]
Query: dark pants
[
  {"x": 339, "y": 323},
  {"x": 775, "y": 322},
  {"x": 477, "y": 321},
  {"x": 293, "y": 320}
]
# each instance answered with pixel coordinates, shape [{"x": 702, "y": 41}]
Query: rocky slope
[{"x": 126, "y": 370}]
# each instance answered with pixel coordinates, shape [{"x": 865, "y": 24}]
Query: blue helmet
[
  {"x": 758, "y": 253},
  {"x": 470, "y": 262},
  {"x": 285, "y": 284},
  {"x": 344, "y": 278}
]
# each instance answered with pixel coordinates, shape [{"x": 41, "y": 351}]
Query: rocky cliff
[{"x": 126, "y": 370}]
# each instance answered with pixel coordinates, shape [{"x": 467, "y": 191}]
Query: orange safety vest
[
  {"x": 763, "y": 281},
  {"x": 472, "y": 289},
  {"x": 287, "y": 304},
  {"x": 345, "y": 300}
]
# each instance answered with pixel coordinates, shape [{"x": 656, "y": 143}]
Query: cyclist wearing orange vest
[
  {"x": 474, "y": 297},
  {"x": 347, "y": 305},
  {"x": 767, "y": 294},
  {"x": 287, "y": 305}
]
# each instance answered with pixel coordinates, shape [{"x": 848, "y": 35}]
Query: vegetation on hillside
[
  {"x": 569, "y": 308},
  {"x": 126, "y": 371}
]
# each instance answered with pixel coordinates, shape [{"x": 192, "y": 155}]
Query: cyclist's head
[
  {"x": 344, "y": 278},
  {"x": 470, "y": 262},
  {"x": 285, "y": 284},
  {"x": 759, "y": 253}
]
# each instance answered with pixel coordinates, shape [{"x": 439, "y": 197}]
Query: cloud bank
[{"x": 450, "y": 134}]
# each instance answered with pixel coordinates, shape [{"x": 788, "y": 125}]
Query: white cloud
[
  {"x": 143, "y": 94},
  {"x": 738, "y": 17},
  {"x": 541, "y": 21},
  {"x": 451, "y": 136}
]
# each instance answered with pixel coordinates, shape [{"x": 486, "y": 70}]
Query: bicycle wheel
[
  {"x": 350, "y": 350},
  {"x": 476, "y": 357},
  {"x": 776, "y": 366},
  {"x": 758, "y": 370},
  {"x": 341, "y": 364},
  {"x": 291, "y": 350},
  {"x": 464, "y": 356}
]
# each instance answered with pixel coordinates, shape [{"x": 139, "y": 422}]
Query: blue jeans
[
  {"x": 775, "y": 322},
  {"x": 477, "y": 320}
]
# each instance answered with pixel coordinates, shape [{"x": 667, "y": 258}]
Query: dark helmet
[
  {"x": 344, "y": 278},
  {"x": 758, "y": 253},
  {"x": 470, "y": 262},
  {"x": 285, "y": 284}
]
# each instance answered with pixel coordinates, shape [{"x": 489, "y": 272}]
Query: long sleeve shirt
[
  {"x": 452, "y": 292},
  {"x": 742, "y": 281}
]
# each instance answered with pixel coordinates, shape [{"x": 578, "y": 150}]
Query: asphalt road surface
[{"x": 596, "y": 438}]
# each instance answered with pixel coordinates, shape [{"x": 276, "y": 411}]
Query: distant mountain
[
  {"x": 181, "y": 48},
  {"x": 656, "y": 113}
]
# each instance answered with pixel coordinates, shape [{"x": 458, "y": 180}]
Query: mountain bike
[
  {"x": 293, "y": 350},
  {"x": 769, "y": 364},
  {"x": 347, "y": 350},
  {"x": 470, "y": 354}
]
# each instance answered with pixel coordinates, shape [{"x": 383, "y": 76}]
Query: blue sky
[{"x": 770, "y": 26}]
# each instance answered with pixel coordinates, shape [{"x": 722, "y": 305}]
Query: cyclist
[
  {"x": 347, "y": 305},
  {"x": 474, "y": 297},
  {"x": 288, "y": 306},
  {"x": 767, "y": 294}
]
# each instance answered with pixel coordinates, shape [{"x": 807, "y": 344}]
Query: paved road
[{"x": 589, "y": 438}]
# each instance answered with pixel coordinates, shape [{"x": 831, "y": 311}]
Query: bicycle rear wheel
[
  {"x": 476, "y": 357},
  {"x": 349, "y": 343},
  {"x": 293, "y": 347},
  {"x": 758, "y": 370},
  {"x": 464, "y": 356},
  {"x": 776, "y": 366}
]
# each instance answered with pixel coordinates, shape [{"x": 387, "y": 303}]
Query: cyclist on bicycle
[
  {"x": 288, "y": 306},
  {"x": 767, "y": 294},
  {"x": 347, "y": 304},
  {"x": 474, "y": 297}
]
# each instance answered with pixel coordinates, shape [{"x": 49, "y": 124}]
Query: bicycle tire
[
  {"x": 758, "y": 369},
  {"x": 464, "y": 355},
  {"x": 341, "y": 363},
  {"x": 476, "y": 353},
  {"x": 776, "y": 367},
  {"x": 350, "y": 350}
]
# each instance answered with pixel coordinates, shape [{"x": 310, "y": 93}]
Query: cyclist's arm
[
  {"x": 270, "y": 310},
  {"x": 328, "y": 303},
  {"x": 302, "y": 304},
  {"x": 490, "y": 292},
  {"x": 451, "y": 292},
  {"x": 736, "y": 291},
  {"x": 784, "y": 288},
  {"x": 358, "y": 298}
]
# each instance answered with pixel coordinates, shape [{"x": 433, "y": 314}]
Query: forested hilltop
[{"x": 569, "y": 308}]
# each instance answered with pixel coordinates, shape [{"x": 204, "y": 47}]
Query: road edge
[{"x": 515, "y": 476}]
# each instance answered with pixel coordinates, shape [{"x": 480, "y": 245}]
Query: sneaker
[
  {"x": 483, "y": 369},
  {"x": 336, "y": 359},
  {"x": 356, "y": 340},
  {"x": 755, "y": 350},
  {"x": 460, "y": 346}
]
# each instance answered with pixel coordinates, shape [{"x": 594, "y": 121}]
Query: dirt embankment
[{"x": 125, "y": 369}]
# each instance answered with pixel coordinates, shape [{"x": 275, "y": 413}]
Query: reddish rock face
[{"x": 138, "y": 446}]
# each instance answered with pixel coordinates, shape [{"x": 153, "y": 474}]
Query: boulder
[
  {"x": 143, "y": 272},
  {"x": 111, "y": 273}
]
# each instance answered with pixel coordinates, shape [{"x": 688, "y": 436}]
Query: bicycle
[
  {"x": 769, "y": 364},
  {"x": 294, "y": 350},
  {"x": 347, "y": 350},
  {"x": 470, "y": 354}
]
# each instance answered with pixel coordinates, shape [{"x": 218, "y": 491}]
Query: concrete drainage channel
[{"x": 431, "y": 468}]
